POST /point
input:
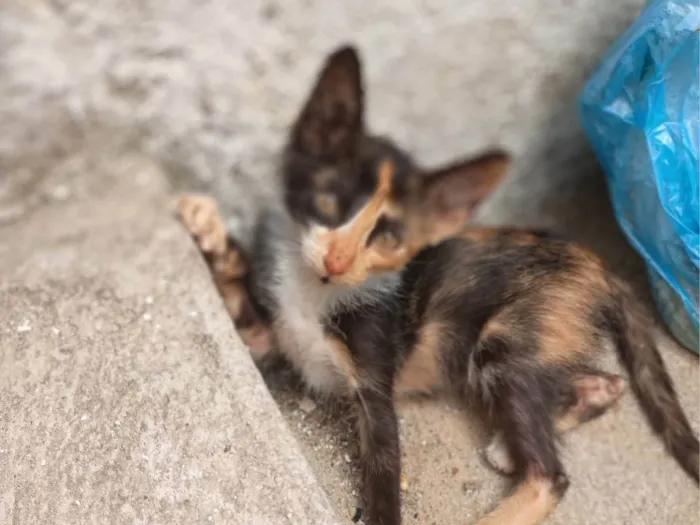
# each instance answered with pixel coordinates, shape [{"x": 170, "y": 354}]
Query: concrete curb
[{"x": 126, "y": 396}]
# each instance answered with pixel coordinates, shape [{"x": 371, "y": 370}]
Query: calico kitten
[{"x": 366, "y": 281}]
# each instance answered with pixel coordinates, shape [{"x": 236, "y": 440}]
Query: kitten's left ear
[
  {"x": 331, "y": 120},
  {"x": 451, "y": 194}
]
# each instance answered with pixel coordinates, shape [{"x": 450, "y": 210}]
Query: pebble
[
  {"x": 60, "y": 192},
  {"x": 346, "y": 458},
  {"x": 404, "y": 483},
  {"x": 24, "y": 326},
  {"x": 468, "y": 486},
  {"x": 307, "y": 405}
]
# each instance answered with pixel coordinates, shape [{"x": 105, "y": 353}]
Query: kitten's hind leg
[
  {"x": 532, "y": 501},
  {"x": 522, "y": 403},
  {"x": 591, "y": 396},
  {"x": 523, "y": 412}
]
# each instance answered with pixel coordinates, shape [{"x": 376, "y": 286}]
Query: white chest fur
[{"x": 303, "y": 303}]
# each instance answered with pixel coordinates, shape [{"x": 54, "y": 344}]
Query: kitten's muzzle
[{"x": 338, "y": 261}]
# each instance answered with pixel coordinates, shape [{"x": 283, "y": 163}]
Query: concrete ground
[{"x": 207, "y": 89}]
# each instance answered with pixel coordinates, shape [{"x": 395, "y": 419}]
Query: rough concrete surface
[
  {"x": 125, "y": 395},
  {"x": 209, "y": 88}
]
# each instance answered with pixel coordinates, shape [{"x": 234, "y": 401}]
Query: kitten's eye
[
  {"x": 386, "y": 240},
  {"x": 387, "y": 234},
  {"x": 327, "y": 204}
]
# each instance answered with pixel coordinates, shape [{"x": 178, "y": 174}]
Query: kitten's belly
[{"x": 302, "y": 340}]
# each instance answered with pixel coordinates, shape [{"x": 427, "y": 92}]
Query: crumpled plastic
[{"x": 641, "y": 112}]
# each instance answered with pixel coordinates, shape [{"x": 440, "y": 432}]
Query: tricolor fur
[{"x": 366, "y": 281}]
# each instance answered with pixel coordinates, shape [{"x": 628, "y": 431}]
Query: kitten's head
[{"x": 360, "y": 203}]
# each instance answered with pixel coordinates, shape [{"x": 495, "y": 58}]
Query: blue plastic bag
[{"x": 641, "y": 113}]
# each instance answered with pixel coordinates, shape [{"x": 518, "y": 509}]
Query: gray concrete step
[{"x": 125, "y": 394}]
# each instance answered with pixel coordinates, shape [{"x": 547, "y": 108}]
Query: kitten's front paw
[
  {"x": 251, "y": 328},
  {"x": 497, "y": 456},
  {"x": 230, "y": 266},
  {"x": 200, "y": 215}
]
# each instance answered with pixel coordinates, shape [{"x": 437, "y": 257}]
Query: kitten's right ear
[
  {"x": 451, "y": 194},
  {"x": 330, "y": 123}
]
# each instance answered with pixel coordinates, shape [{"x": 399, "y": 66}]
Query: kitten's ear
[
  {"x": 452, "y": 193},
  {"x": 330, "y": 123}
]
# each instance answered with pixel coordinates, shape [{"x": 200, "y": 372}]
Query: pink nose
[{"x": 338, "y": 263}]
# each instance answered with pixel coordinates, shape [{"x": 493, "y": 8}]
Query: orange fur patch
[
  {"x": 344, "y": 360},
  {"x": 530, "y": 504},
  {"x": 345, "y": 242},
  {"x": 200, "y": 215},
  {"x": 567, "y": 301},
  {"x": 422, "y": 371}
]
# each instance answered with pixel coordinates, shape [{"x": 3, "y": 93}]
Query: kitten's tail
[{"x": 631, "y": 329}]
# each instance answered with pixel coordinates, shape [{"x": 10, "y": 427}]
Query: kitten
[{"x": 366, "y": 281}]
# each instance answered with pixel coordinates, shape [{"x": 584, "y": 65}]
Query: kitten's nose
[{"x": 338, "y": 262}]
